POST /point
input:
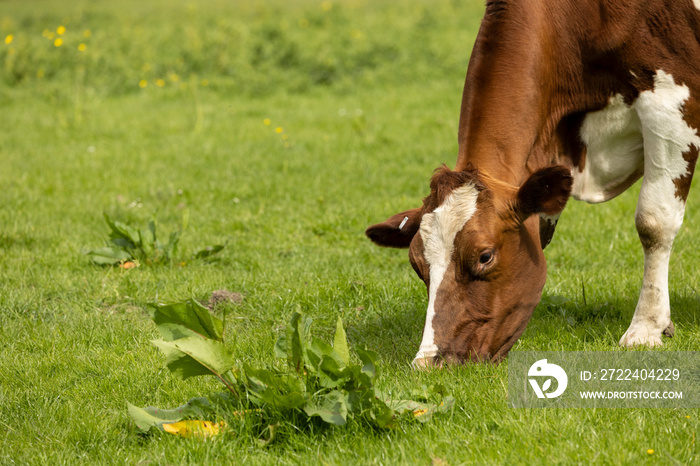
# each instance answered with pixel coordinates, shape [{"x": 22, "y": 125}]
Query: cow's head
[{"x": 475, "y": 243}]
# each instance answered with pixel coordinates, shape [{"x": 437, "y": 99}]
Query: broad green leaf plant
[
  {"x": 319, "y": 381},
  {"x": 128, "y": 243}
]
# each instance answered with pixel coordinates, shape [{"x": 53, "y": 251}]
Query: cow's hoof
[
  {"x": 670, "y": 330},
  {"x": 640, "y": 337}
]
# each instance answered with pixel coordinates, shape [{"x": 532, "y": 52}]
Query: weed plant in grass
[
  {"x": 319, "y": 382},
  {"x": 366, "y": 99},
  {"x": 143, "y": 245}
]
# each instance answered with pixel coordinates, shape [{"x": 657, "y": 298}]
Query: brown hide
[{"x": 538, "y": 67}]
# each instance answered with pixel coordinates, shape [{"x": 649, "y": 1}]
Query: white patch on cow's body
[
  {"x": 659, "y": 213},
  {"x": 624, "y": 142},
  {"x": 438, "y": 230},
  {"x": 614, "y": 152},
  {"x": 697, "y": 4}
]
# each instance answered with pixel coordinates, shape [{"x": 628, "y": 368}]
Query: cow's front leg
[
  {"x": 657, "y": 228},
  {"x": 670, "y": 152}
]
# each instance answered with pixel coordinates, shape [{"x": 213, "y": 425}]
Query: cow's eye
[
  {"x": 483, "y": 264},
  {"x": 486, "y": 257}
]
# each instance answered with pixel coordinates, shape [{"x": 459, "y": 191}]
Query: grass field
[{"x": 284, "y": 129}]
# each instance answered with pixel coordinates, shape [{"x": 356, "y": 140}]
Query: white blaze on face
[{"x": 438, "y": 231}]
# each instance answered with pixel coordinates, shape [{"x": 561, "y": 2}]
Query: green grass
[{"x": 367, "y": 95}]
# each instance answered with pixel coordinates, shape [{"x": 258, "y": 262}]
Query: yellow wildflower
[
  {"x": 419, "y": 412},
  {"x": 87, "y": 33},
  {"x": 327, "y": 5},
  {"x": 160, "y": 82},
  {"x": 174, "y": 77},
  {"x": 266, "y": 122},
  {"x": 40, "y": 73},
  {"x": 189, "y": 429},
  {"x": 278, "y": 129},
  {"x": 8, "y": 38},
  {"x": 61, "y": 30},
  {"x": 143, "y": 83},
  {"x": 82, "y": 47},
  {"x": 650, "y": 451},
  {"x": 58, "y": 42}
]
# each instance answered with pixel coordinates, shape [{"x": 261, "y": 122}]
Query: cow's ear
[
  {"x": 545, "y": 192},
  {"x": 398, "y": 230}
]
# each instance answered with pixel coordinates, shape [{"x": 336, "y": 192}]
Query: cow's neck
[
  {"x": 513, "y": 102},
  {"x": 502, "y": 106}
]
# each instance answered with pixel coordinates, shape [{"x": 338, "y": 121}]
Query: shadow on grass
[
  {"x": 20, "y": 241},
  {"x": 556, "y": 322},
  {"x": 576, "y": 326},
  {"x": 684, "y": 309},
  {"x": 394, "y": 333}
]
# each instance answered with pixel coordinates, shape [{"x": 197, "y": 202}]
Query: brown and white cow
[{"x": 562, "y": 97}]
